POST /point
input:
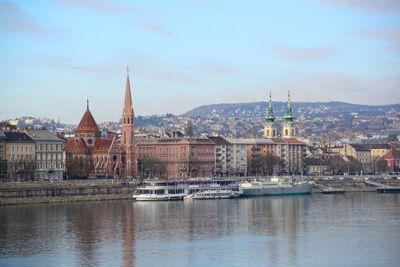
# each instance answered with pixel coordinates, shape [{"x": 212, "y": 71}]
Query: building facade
[
  {"x": 20, "y": 155},
  {"x": 362, "y": 153},
  {"x": 3, "y": 156},
  {"x": 223, "y": 156},
  {"x": 50, "y": 155},
  {"x": 176, "y": 157},
  {"x": 239, "y": 157}
]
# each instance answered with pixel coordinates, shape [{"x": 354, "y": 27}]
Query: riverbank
[
  {"x": 65, "y": 199},
  {"x": 64, "y": 191}
]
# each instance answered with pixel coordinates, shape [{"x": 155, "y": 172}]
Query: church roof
[
  {"x": 102, "y": 145},
  {"x": 87, "y": 124},
  {"x": 76, "y": 145}
]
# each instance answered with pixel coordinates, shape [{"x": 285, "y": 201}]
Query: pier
[{"x": 384, "y": 188}]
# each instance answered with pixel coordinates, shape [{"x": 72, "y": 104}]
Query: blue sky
[{"x": 182, "y": 54}]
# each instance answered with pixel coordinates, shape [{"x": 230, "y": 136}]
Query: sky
[{"x": 183, "y": 54}]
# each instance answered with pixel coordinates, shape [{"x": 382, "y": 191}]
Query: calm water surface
[{"x": 360, "y": 229}]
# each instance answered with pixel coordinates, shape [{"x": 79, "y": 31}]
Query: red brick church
[{"x": 104, "y": 154}]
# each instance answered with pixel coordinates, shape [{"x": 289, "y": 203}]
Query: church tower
[
  {"x": 269, "y": 126},
  {"x": 128, "y": 142},
  {"x": 87, "y": 128},
  {"x": 289, "y": 128}
]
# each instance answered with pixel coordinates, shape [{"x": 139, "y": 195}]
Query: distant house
[
  {"x": 316, "y": 166},
  {"x": 392, "y": 159}
]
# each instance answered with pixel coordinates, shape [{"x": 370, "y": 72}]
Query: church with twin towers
[{"x": 288, "y": 127}]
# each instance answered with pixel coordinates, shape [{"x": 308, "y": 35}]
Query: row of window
[
  {"x": 19, "y": 148},
  {"x": 48, "y": 147},
  {"x": 49, "y": 156},
  {"x": 20, "y": 157},
  {"x": 49, "y": 165}
]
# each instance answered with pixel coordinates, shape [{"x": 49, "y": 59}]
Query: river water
[{"x": 354, "y": 229}]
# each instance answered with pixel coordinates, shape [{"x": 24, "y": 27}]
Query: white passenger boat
[
  {"x": 177, "y": 189},
  {"x": 277, "y": 186}
]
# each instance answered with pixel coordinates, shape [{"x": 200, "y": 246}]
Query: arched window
[
  {"x": 286, "y": 132},
  {"x": 267, "y": 132}
]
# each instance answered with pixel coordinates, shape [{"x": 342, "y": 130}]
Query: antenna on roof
[{"x": 87, "y": 104}]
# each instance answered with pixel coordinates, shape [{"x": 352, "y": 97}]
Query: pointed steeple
[
  {"x": 270, "y": 118},
  {"x": 128, "y": 132},
  {"x": 87, "y": 123},
  {"x": 128, "y": 109},
  {"x": 289, "y": 114}
]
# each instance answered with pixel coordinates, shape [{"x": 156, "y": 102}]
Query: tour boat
[
  {"x": 177, "y": 189},
  {"x": 277, "y": 186}
]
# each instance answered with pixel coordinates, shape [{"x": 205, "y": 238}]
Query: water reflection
[{"x": 291, "y": 231}]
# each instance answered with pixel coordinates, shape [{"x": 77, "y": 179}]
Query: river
[{"x": 354, "y": 229}]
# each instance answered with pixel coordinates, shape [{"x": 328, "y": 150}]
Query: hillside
[{"x": 308, "y": 109}]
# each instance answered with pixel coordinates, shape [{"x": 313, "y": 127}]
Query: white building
[
  {"x": 50, "y": 155},
  {"x": 238, "y": 156}
]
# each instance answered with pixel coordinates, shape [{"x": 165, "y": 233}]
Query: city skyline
[{"x": 194, "y": 53}]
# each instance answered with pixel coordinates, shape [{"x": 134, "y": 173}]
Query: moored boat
[
  {"x": 277, "y": 186},
  {"x": 165, "y": 190},
  {"x": 331, "y": 190}
]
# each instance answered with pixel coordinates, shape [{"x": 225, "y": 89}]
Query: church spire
[
  {"x": 270, "y": 118},
  {"x": 289, "y": 114},
  {"x": 128, "y": 132},
  {"x": 128, "y": 109}
]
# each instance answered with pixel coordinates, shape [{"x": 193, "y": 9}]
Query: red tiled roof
[
  {"x": 102, "y": 145},
  {"x": 76, "y": 145},
  {"x": 87, "y": 124},
  {"x": 392, "y": 155},
  {"x": 294, "y": 141},
  {"x": 277, "y": 140}
]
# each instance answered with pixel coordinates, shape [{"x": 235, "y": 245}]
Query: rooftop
[
  {"x": 43, "y": 135},
  {"x": 18, "y": 137}
]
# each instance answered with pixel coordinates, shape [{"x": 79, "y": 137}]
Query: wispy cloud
[
  {"x": 367, "y": 5},
  {"x": 145, "y": 19},
  {"x": 98, "y": 5},
  {"x": 13, "y": 19},
  {"x": 157, "y": 29},
  {"x": 392, "y": 35},
  {"x": 313, "y": 54},
  {"x": 101, "y": 71}
]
